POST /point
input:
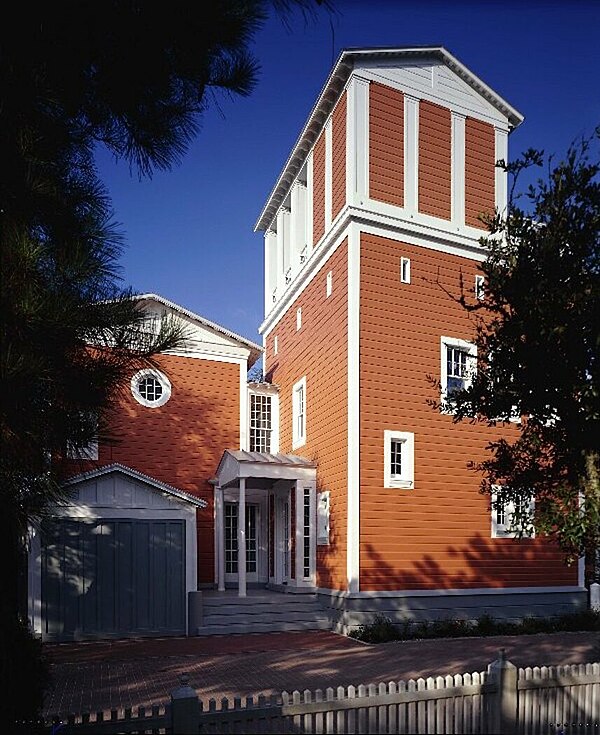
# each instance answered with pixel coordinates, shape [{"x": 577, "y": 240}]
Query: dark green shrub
[{"x": 380, "y": 630}]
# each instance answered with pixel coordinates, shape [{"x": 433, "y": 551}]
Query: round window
[{"x": 151, "y": 388}]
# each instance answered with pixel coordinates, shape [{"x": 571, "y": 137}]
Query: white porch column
[
  {"x": 220, "y": 538},
  {"x": 299, "y": 524},
  {"x": 242, "y": 538}
]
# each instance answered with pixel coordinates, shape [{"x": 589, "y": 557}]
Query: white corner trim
[
  {"x": 328, "y": 171},
  {"x": 353, "y": 512},
  {"x": 501, "y": 142},
  {"x": 243, "y": 406}
]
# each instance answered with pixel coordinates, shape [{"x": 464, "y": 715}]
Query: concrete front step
[
  {"x": 259, "y": 608},
  {"x": 270, "y": 627}
]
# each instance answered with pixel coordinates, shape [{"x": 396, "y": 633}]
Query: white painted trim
[
  {"x": 458, "y": 168},
  {"x": 492, "y": 591},
  {"x": 237, "y": 357},
  {"x": 328, "y": 171},
  {"x": 361, "y": 140},
  {"x": 241, "y": 535},
  {"x": 160, "y": 377},
  {"x": 309, "y": 202},
  {"x": 353, "y": 511},
  {"x": 299, "y": 440},
  {"x": 411, "y": 154},
  {"x": 34, "y": 580},
  {"x": 407, "y": 478},
  {"x": 350, "y": 142},
  {"x": 220, "y": 538},
  {"x": 501, "y": 142},
  {"x": 460, "y": 344},
  {"x": 243, "y": 407},
  {"x": 388, "y": 221},
  {"x": 581, "y": 571}
]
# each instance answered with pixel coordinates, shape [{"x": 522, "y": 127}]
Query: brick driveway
[{"x": 112, "y": 675}]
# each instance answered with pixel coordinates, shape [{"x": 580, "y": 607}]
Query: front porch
[{"x": 265, "y": 522}]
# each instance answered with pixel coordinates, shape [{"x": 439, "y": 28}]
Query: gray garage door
[{"x": 113, "y": 578}]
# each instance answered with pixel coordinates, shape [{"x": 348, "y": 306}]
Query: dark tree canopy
[{"x": 538, "y": 340}]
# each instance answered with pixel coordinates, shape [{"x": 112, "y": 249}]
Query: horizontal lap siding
[
  {"x": 181, "y": 442},
  {"x": 319, "y": 351},
  {"x": 338, "y": 164},
  {"x": 434, "y": 160},
  {"x": 319, "y": 189},
  {"x": 480, "y": 173},
  {"x": 386, "y": 144},
  {"x": 437, "y": 535}
]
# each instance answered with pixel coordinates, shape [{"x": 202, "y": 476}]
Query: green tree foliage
[
  {"x": 135, "y": 77},
  {"x": 538, "y": 339}
]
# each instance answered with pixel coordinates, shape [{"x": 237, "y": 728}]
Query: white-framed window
[
  {"x": 458, "y": 366},
  {"x": 479, "y": 287},
  {"x": 502, "y": 519},
  {"x": 399, "y": 459},
  {"x": 261, "y": 422},
  {"x": 329, "y": 285},
  {"x": 405, "y": 270},
  {"x": 298, "y": 318},
  {"x": 151, "y": 388},
  {"x": 323, "y": 502},
  {"x": 299, "y": 413},
  {"x": 275, "y": 345}
]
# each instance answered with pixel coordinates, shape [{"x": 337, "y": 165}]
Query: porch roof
[{"x": 261, "y": 468}]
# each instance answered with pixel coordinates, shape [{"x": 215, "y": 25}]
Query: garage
[{"x": 117, "y": 561}]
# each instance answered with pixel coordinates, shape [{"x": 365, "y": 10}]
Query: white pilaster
[
  {"x": 242, "y": 538},
  {"x": 244, "y": 405},
  {"x": 309, "y": 202},
  {"x": 458, "y": 168},
  {"x": 353, "y": 540},
  {"x": 501, "y": 137},
  {"x": 270, "y": 268},
  {"x": 297, "y": 223},
  {"x": 328, "y": 172},
  {"x": 220, "y": 534},
  {"x": 357, "y": 159},
  {"x": 411, "y": 153},
  {"x": 283, "y": 242},
  {"x": 298, "y": 523}
]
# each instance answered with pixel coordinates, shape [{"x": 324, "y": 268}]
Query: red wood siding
[
  {"x": 437, "y": 535},
  {"x": 319, "y": 189},
  {"x": 338, "y": 164},
  {"x": 434, "y": 160},
  {"x": 386, "y": 144},
  {"x": 181, "y": 442},
  {"x": 480, "y": 172},
  {"x": 319, "y": 351}
]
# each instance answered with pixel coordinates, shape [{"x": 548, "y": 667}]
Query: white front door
[{"x": 231, "y": 541}]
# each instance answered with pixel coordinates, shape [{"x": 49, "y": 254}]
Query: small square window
[
  {"x": 399, "y": 449},
  {"x": 479, "y": 287},
  {"x": 405, "y": 270},
  {"x": 298, "y": 318},
  {"x": 329, "y": 284}
]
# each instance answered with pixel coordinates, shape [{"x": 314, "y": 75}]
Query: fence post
[
  {"x": 184, "y": 708},
  {"x": 505, "y": 707},
  {"x": 595, "y": 596}
]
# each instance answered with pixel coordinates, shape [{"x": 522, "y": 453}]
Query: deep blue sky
[{"x": 190, "y": 232}]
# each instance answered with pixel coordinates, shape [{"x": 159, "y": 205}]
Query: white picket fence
[{"x": 503, "y": 699}]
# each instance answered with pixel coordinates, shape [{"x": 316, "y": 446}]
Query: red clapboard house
[{"x": 333, "y": 479}]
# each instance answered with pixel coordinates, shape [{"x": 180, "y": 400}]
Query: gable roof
[
  {"x": 140, "y": 477},
  {"x": 333, "y": 88},
  {"x": 255, "y": 349}
]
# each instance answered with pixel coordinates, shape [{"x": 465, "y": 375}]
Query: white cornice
[{"x": 414, "y": 229}]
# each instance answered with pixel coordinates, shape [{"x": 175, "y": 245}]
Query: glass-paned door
[{"x": 231, "y": 542}]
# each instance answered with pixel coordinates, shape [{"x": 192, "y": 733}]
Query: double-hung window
[
  {"x": 459, "y": 360},
  {"x": 399, "y": 463},
  {"x": 504, "y": 521},
  {"x": 299, "y": 414}
]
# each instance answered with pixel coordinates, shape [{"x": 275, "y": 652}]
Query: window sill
[
  {"x": 298, "y": 443},
  {"x": 399, "y": 484}
]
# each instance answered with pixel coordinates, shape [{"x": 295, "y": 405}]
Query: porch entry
[{"x": 265, "y": 514}]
